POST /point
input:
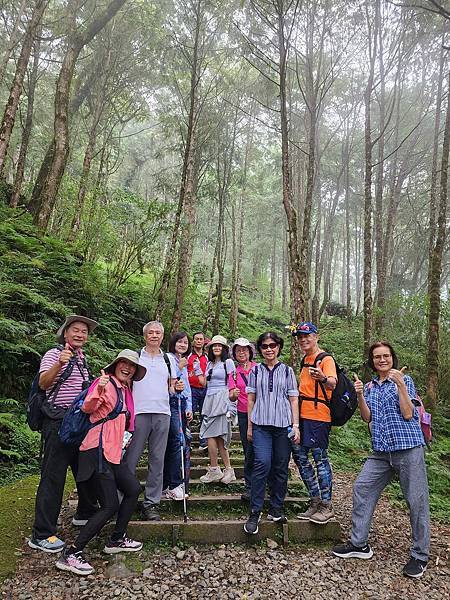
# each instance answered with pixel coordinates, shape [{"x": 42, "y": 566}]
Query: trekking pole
[{"x": 182, "y": 446}]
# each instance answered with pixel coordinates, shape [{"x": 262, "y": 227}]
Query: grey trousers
[
  {"x": 151, "y": 429},
  {"x": 377, "y": 472}
]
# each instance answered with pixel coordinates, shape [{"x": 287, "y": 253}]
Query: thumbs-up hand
[
  {"x": 182, "y": 363},
  {"x": 359, "y": 386},
  {"x": 65, "y": 355},
  {"x": 316, "y": 372},
  {"x": 397, "y": 376},
  {"x": 103, "y": 380}
]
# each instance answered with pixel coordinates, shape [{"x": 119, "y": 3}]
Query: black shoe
[
  {"x": 276, "y": 516},
  {"x": 415, "y": 568},
  {"x": 252, "y": 524},
  {"x": 351, "y": 551},
  {"x": 150, "y": 513}
]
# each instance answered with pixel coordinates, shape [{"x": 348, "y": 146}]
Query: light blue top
[{"x": 218, "y": 379}]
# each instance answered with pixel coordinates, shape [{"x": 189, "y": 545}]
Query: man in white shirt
[{"x": 152, "y": 410}]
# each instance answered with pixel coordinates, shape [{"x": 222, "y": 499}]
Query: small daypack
[
  {"x": 37, "y": 398},
  {"x": 76, "y": 423},
  {"x": 343, "y": 401},
  {"x": 424, "y": 420}
]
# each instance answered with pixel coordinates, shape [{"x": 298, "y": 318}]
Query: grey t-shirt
[
  {"x": 218, "y": 381},
  {"x": 151, "y": 394}
]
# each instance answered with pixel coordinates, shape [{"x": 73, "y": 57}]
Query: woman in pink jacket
[{"x": 100, "y": 457}]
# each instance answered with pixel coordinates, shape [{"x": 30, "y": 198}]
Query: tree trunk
[
  {"x": 435, "y": 269},
  {"x": 273, "y": 274},
  {"x": 26, "y": 135},
  {"x": 13, "y": 39},
  {"x": 15, "y": 91},
  {"x": 45, "y": 191}
]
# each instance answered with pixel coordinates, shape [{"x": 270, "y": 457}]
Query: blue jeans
[
  {"x": 272, "y": 453},
  {"x": 198, "y": 397},
  {"x": 248, "y": 449},
  {"x": 172, "y": 458}
]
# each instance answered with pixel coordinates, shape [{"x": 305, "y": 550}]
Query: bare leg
[
  {"x": 223, "y": 452},
  {"x": 212, "y": 451}
]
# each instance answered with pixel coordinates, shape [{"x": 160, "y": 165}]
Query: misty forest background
[{"x": 233, "y": 166}]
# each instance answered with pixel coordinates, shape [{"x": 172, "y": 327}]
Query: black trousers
[
  {"x": 55, "y": 460},
  {"x": 112, "y": 479}
]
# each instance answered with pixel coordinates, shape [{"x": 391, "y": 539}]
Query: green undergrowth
[{"x": 16, "y": 519}]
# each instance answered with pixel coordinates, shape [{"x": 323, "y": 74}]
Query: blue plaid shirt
[{"x": 390, "y": 430}]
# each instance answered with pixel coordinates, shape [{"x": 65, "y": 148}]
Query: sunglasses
[{"x": 271, "y": 346}]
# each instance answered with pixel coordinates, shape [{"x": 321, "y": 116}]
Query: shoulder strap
[
  {"x": 168, "y": 365},
  {"x": 243, "y": 377},
  {"x": 62, "y": 378},
  {"x": 225, "y": 369}
]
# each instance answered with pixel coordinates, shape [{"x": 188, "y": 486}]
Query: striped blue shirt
[
  {"x": 272, "y": 388},
  {"x": 390, "y": 430}
]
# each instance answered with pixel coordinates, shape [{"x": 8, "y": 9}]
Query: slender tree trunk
[
  {"x": 13, "y": 39},
  {"x": 15, "y": 92},
  {"x": 435, "y": 268},
  {"x": 273, "y": 274},
  {"x": 45, "y": 191},
  {"x": 26, "y": 135}
]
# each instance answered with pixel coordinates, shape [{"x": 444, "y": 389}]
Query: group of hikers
[{"x": 147, "y": 399}]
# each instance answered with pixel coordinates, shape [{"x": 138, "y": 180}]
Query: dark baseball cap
[{"x": 304, "y": 328}]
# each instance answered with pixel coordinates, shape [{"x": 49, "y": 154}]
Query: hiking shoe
[
  {"x": 177, "y": 493},
  {"x": 228, "y": 476},
  {"x": 151, "y": 513},
  {"x": 123, "y": 545},
  {"x": 51, "y": 544},
  {"x": 314, "y": 505},
  {"x": 351, "y": 551},
  {"x": 415, "y": 567},
  {"x": 323, "y": 514},
  {"x": 212, "y": 474},
  {"x": 276, "y": 516},
  {"x": 252, "y": 523},
  {"x": 74, "y": 562}
]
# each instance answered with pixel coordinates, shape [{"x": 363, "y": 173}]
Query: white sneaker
[
  {"x": 228, "y": 476},
  {"x": 213, "y": 474},
  {"x": 176, "y": 494}
]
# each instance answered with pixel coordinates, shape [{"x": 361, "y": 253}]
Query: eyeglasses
[
  {"x": 271, "y": 346},
  {"x": 382, "y": 356}
]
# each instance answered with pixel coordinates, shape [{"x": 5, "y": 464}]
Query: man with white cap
[{"x": 63, "y": 375}]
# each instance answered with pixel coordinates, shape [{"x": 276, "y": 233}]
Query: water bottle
[{"x": 291, "y": 433}]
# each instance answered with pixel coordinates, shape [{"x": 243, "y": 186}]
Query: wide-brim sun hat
[
  {"x": 218, "y": 339},
  {"x": 245, "y": 343},
  {"x": 91, "y": 325},
  {"x": 132, "y": 357}
]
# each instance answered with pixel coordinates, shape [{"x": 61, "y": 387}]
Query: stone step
[
  {"x": 236, "y": 461},
  {"x": 230, "y": 501},
  {"x": 196, "y": 471},
  {"x": 231, "y": 531},
  {"x": 234, "y": 450}
]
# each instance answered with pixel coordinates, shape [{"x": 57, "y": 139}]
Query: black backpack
[
  {"x": 40, "y": 405},
  {"x": 343, "y": 400}
]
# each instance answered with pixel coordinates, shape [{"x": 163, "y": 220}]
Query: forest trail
[{"x": 239, "y": 572}]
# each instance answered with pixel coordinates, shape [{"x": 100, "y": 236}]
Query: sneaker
[
  {"x": 177, "y": 493},
  {"x": 123, "y": 545},
  {"x": 415, "y": 568},
  {"x": 78, "y": 521},
  {"x": 252, "y": 523},
  {"x": 74, "y": 562},
  {"x": 323, "y": 514},
  {"x": 314, "y": 505},
  {"x": 213, "y": 474},
  {"x": 351, "y": 551},
  {"x": 228, "y": 476},
  {"x": 151, "y": 513},
  {"x": 276, "y": 516},
  {"x": 51, "y": 544}
]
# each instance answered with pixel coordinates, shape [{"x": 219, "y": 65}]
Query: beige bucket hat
[
  {"x": 91, "y": 325},
  {"x": 217, "y": 339},
  {"x": 132, "y": 357}
]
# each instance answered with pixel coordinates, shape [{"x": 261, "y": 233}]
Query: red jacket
[{"x": 193, "y": 379}]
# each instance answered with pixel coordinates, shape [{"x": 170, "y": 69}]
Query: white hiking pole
[{"x": 182, "y": 445}]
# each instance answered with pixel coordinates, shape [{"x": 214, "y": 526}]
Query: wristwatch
[{"x": 324, "y": 380}]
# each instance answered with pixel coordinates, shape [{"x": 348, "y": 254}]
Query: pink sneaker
[
  {"x": 123, "y": 545},
  {"x": 74, "y": 562}
]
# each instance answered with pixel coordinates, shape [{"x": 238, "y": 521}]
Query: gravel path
[{"x": 266, "y": 571}]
